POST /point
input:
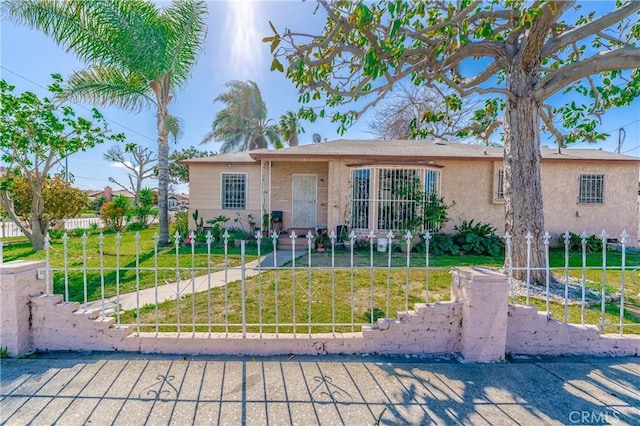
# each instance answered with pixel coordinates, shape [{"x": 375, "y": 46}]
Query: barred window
[
  {"x": 431, "y": 183},
  {"x": 360, "y": 197},
  {"x": 234, "y": 191},
  {"x": 500, "y": 185},
  {"x": 393, "y": 198},
  {"x": 591, "y": 189}
]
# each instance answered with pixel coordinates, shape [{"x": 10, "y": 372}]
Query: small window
[
  {"x": 500, "y": 186},
  {"x": 431, "y": 184},
  {"x": 591, "y": 189},
  {"x": 234, "y": 191}
]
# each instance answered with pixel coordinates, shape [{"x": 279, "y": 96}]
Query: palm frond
[
  {"x": 105, "y": 86},
  {"x": 185, "y": 26},
  {"x": 74, "y": 25},
  {"x": 175, "y": 126}
]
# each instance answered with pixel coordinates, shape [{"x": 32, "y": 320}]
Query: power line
[
  {"x": 631, "y": 149},
  {"x": 620, "y": 127},
  {"x": 81, "y": 106}
]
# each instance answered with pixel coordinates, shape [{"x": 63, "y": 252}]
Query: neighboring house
[
  {"x": 176, "y": 201},
  {"x": 108, "y": 193},
  {"x": 345, "y": 182}
]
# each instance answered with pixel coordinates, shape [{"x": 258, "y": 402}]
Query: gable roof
[{"x": 403, "y": 150}]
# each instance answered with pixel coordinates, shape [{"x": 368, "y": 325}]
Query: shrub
[
  {"x": 442, "y": 244},
  {"x": 56, "y": 234},
  {"x": 593, "y": 243},
  {"x": 78, "y": 232},
  {"x": 180, "y": 224},
  {"x": 377, "y": 314},
  {"x": 477, "y": 238},
  {"x": 116, "y": 214},
  {"x": 93, "y": 228},
  {"x": 143, "y": 209},
  {"x": 136, "y": 226},
  {"x": 217, "y": 229},
  {"x": 238, "y": 234},
  {"x": 361, "y": 244}
]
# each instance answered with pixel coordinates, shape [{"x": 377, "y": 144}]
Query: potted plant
[
  {"x": 266, "y": 217},
  {"x": 322, "y": 241}
]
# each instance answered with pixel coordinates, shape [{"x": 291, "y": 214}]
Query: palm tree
[
  {"x": 242, "y": 125},
  {"x": 290, "y": 127},
  {"x": 136, "y": 55}
]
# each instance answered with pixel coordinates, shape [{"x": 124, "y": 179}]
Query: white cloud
[{"x": 122, "y": 166}]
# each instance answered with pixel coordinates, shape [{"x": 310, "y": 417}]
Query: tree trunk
[
  {"x": 523, "y": 190},
  {"x": 38, "y": 227},
  {"x": 162, "y": 90},
  {"x": 163, "y": 176}
]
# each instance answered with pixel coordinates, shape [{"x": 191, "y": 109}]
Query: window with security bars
[
  {"x": 500, "y": 185},
  {"x": 234, "y": 191},
  {"x": 360, "y": 198},
  {"x": 591, "y": 189},
  {"x": 392, "y": 199}
]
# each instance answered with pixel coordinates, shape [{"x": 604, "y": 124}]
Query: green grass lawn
[
  {"x": 120, "y": 267},
  {"x": 310, "y": 291}
]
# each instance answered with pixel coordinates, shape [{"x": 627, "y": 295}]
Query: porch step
[{"x": 285, "y": 242}]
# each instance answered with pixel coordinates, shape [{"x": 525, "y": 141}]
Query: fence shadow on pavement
[{"x": 107, "y": 388}]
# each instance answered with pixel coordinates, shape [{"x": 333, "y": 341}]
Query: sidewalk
[
  {"x": 170, "y": 291},
  {"x": 122, "y": 388}
]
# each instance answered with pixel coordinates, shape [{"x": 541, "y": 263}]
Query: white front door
[{"x": 305, "y": 196}]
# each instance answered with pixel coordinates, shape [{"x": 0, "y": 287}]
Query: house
[
  {"x": 108, "y": 193},
  {"x": 177, "y": 201},
  {"x": 346, "y": 182}
]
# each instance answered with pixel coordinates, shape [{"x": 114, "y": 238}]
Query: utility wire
[
  {"x": 81, "y": 106},
  {"x": 622, "y": 126}
]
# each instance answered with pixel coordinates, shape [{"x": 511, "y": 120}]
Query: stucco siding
[
  {"x": 469, "y": 183},
  {"x": 282, "y": 188},
  {"x": 205, "y": 192},
  {"x": 563, "y": 212}
]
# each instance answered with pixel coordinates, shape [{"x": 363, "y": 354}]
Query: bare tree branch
[
  {"x": 593, "y": 27},
  {"x": 627, "y": 57},
  {"x": 546, "y": 118}
]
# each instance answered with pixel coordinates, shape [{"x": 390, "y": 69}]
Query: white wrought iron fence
[
  {"x": 9, "y": 229},
  {"x": 195, "y": 287}
]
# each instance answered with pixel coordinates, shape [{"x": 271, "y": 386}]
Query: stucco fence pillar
[
  {"x": 19, "y": 281},
  {"x": 483, "y": 295}
]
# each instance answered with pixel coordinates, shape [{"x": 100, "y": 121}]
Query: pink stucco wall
[{"x": 477, "y": 323}]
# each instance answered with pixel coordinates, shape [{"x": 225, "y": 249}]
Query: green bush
[
  {"x": 180, "y": 224},
  {"x": 238, "y": 234},
  {"x": 117, "y": 213},
  {"x": 361, "y": 244},
  {"x": 218, "y": 226},
  {"x": 593, "y": 243},
  {"x": 56, "y": 234},
  {"x": 377, "y": 314},
  {"x": 78, "y": 232},
  {"x": 478, "y": 238},
  {"x": 136, "y": 226},
  {"x": 442, "y": 244}
]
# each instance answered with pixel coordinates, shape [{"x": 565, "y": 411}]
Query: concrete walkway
[
  {"x": 170, "y": 291},
  {"x": 130, "y": 389}
]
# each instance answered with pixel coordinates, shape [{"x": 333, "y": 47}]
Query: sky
[{"x": 233, "y": 50}]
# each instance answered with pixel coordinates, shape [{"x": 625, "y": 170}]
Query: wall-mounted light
[
  {"x": 229, "y": 165},
  {"x": 321, "y": 180}
]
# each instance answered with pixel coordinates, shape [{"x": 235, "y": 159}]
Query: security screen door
[{"x": 305, "y": 193}]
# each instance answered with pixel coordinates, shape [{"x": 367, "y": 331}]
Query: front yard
[{"x": 320, "y": 293}]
